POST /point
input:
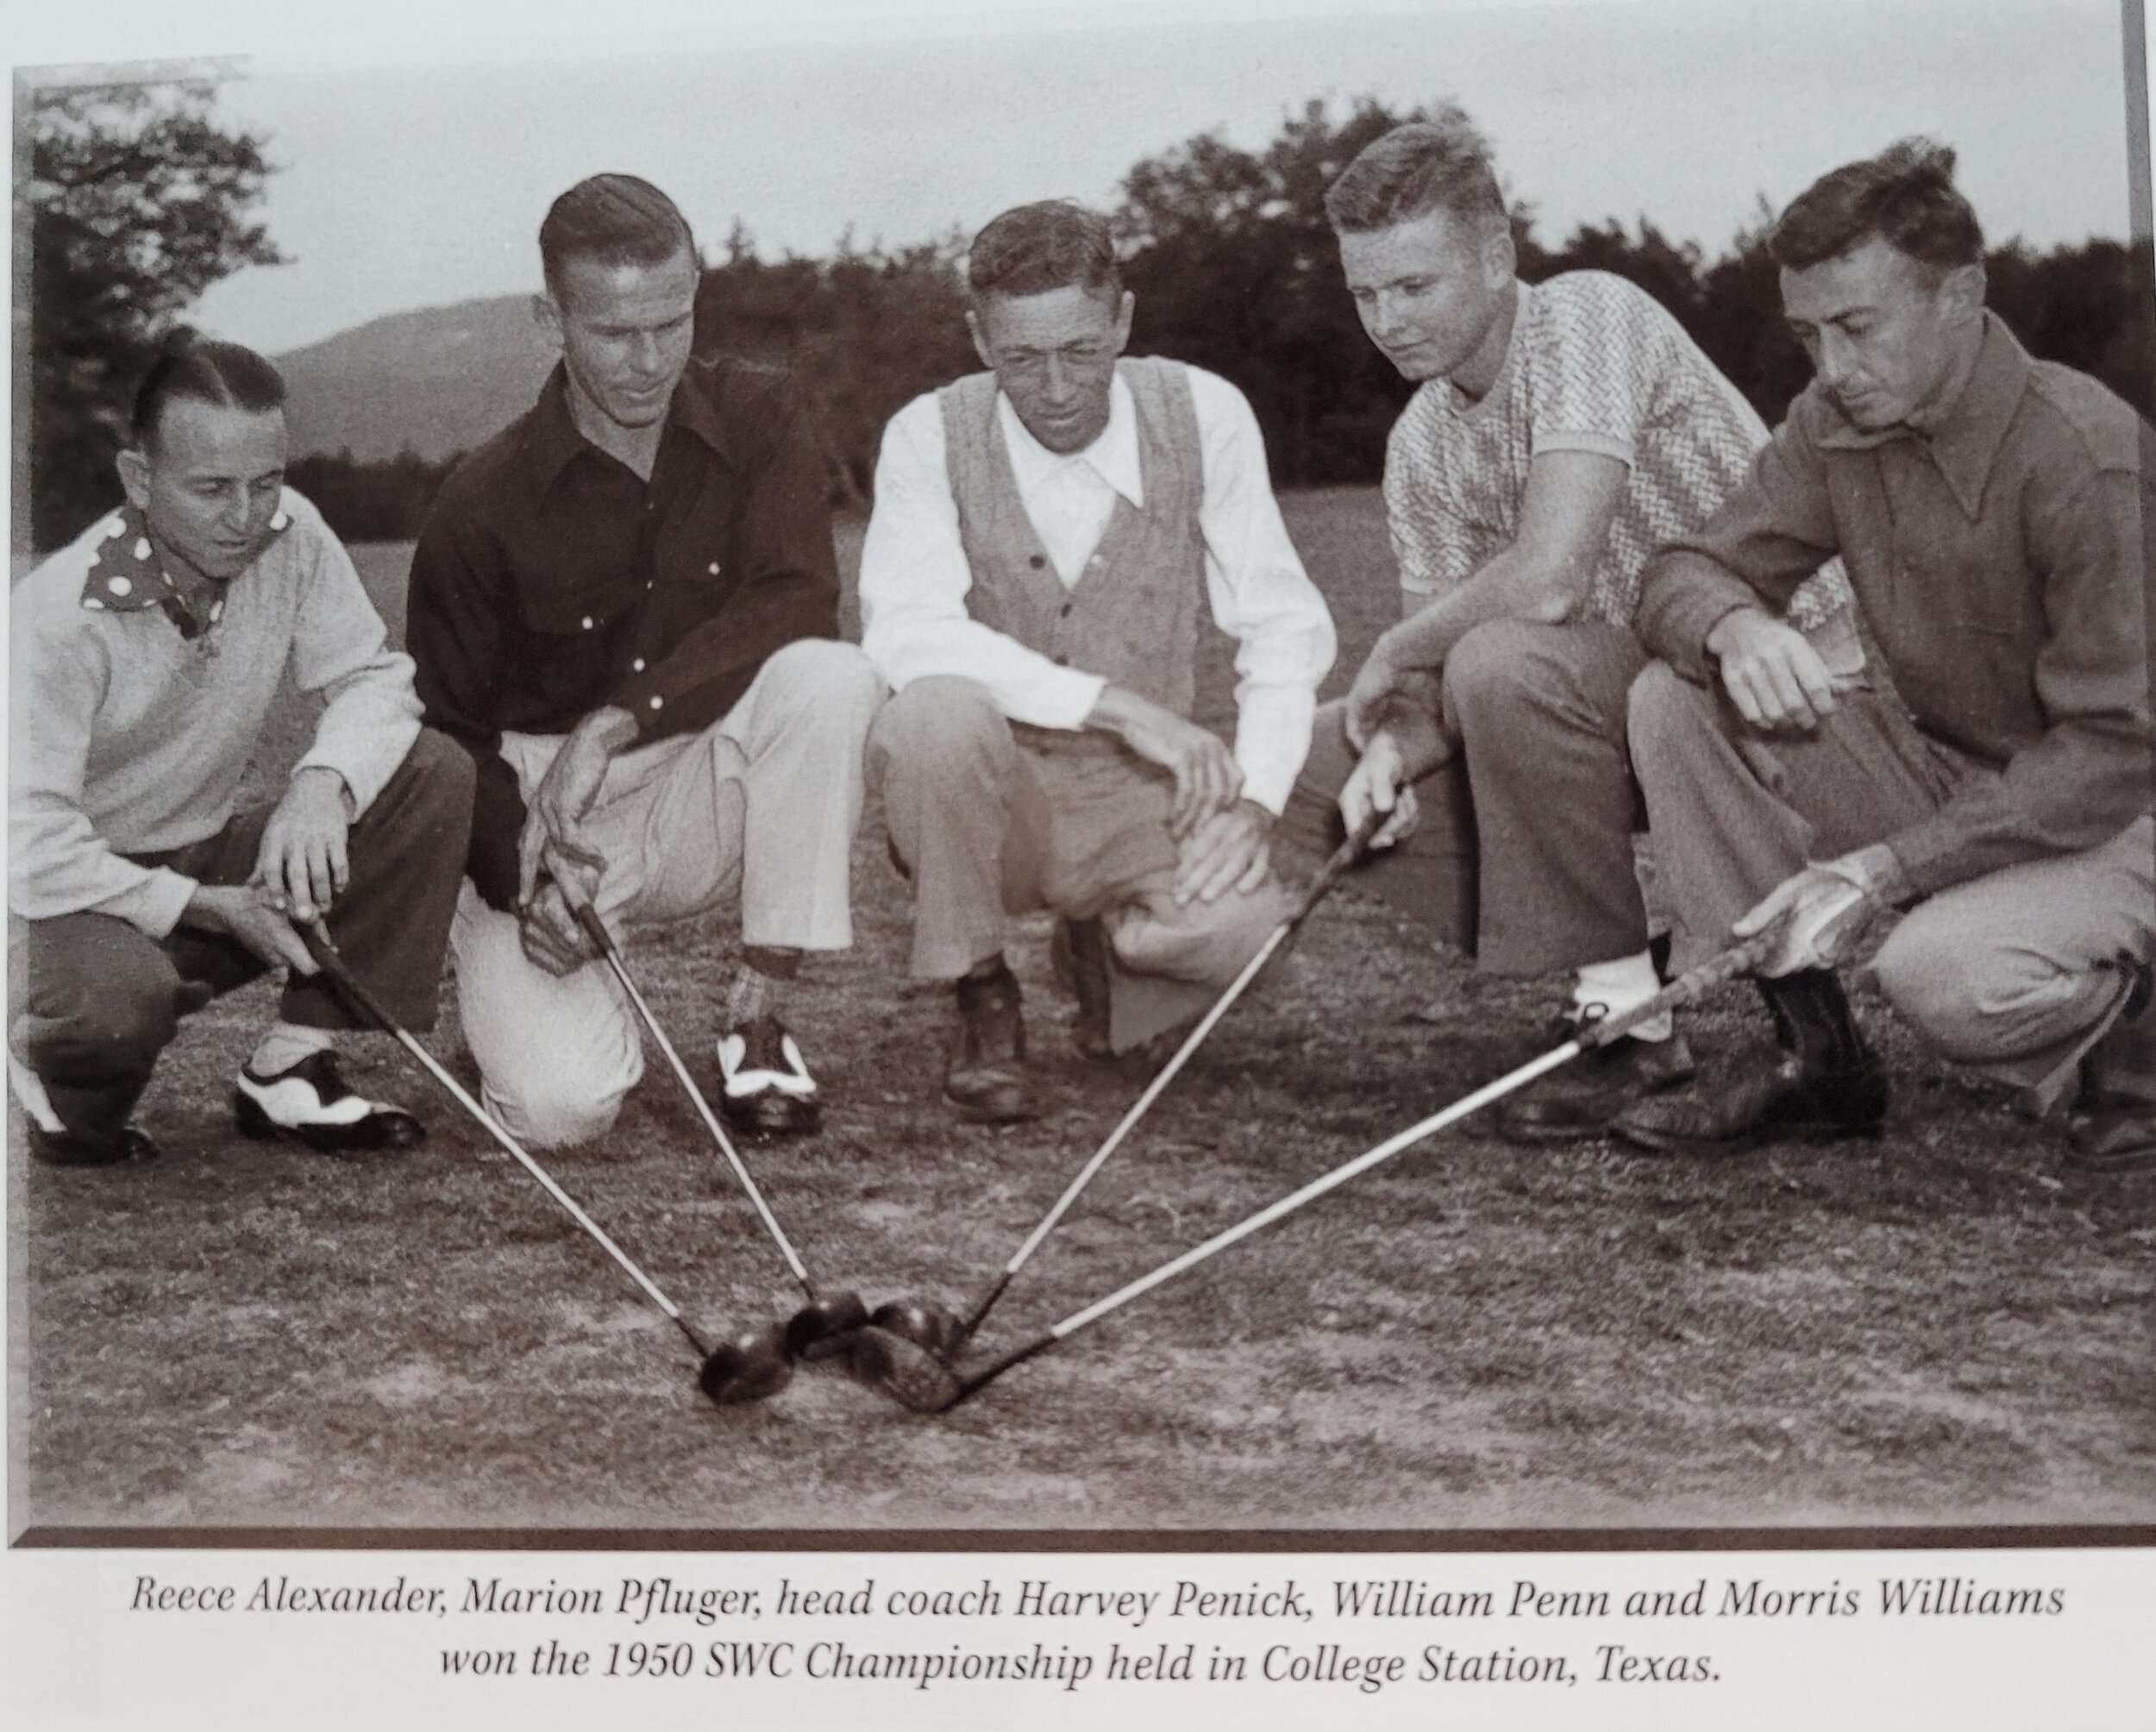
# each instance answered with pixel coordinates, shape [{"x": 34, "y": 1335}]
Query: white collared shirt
[{"x": 914, "y": 576}]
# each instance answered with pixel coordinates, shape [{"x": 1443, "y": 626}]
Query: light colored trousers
[
  {"x": 760, "y": 806},
  {"x": 990, "y": 820},
  {"x": 2018, "y": 973}
]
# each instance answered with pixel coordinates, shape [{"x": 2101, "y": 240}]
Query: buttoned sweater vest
[{"x": 1132, "y": 615}]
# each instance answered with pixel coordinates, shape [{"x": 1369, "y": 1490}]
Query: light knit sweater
[{"x": 129, "y": 739}]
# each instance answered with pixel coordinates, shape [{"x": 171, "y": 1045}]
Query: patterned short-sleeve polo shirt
[{"x": 1595, "y": 364}]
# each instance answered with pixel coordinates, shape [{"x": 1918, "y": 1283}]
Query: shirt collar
[
  {"x": 551, "y": 438},
  {"x": 1967, "y": 442},
  {"x": 1113, "y": 456},
  {"x": 126, "y": 575}
]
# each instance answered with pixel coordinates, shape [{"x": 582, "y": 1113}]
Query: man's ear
[
  {"x": 980, "y": 342},
  {"x": 134, "y": 477},
  {"x": 1123, "y": 310},
  {"x": 546, "y": 313},
  {"x": 1501, "y": 260},
  {"x": 1962, "y": 290}
]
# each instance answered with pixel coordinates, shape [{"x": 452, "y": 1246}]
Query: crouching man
[
  {"x": 622, "y": 606},
  {"x": 1992, "y": 512},
  {"x": 1043, "y": 535},
  {"x": 146, "y": 658}
]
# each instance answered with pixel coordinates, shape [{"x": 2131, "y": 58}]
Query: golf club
[
  {"x": 743, "y": 1368},
  {"x": 913, "y": 1376},
  {"x": 819, "y": 1328},
  {"x": 943, "y": 1333}
]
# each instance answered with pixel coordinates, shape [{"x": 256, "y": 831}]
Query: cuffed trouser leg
[
  {"x": 966, "y": 816},
  {"x": 104, "y": 1001},
  {"x": 2018, "y": 972},
  {"x": 761, "y": 806}
]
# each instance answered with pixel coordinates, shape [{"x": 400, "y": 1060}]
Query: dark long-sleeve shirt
[
  {"x": 2001, "y": 564},
  {"x": 551, "y": 580}
]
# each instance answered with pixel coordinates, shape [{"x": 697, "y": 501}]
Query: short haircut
[
  {"x": 1438, "y": 163},
  {"x": 1035, "y": 248},
  {"x": 203, "y": 370},
  {"x": 612, "y": 219},
  {"x": 1905, "y": 196}
]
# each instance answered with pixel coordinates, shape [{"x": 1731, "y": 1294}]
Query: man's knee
[
  {"x": 1979, "y": 1000},
  {"x": 824, "y": 678},
  {"x": 442, "y": 773},
  {"x": 1199, "y": 941},
  {"x": 554, "y": 1113},
  {"x": 1665, "y": 716},
  {"x": 104, "y": 1000},
  {"x": 1499, "y": 669},
  {"x": 938, "y": 726}
]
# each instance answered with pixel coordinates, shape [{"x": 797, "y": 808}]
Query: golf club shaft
[
  {"x": 1327, "y": 875},
  {"x": 345, "y": 981},
  {"x": 1685, "y": 989},
  {"x": 587, "y": 917}
]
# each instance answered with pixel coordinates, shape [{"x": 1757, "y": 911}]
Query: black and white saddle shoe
[
  {"x": 764, "y": 1083},
  {"x": 55, "y": 1145},
  {"x": 311, "y": 1103}
]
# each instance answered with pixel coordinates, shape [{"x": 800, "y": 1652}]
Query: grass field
[{"x": 1939, "y": 1328}]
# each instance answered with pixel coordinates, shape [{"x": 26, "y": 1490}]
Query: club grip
[
  {"x": 1687, "y": 988},
  {"x": 1338, "y": 862},
  {"x": 594, "y": 928}
]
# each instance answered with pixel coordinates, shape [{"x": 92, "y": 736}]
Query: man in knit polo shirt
[
  {"x": 1562, "y": 432},
  {"x": 146, "y": 660},
  {"x": 1045, "y": 534}
]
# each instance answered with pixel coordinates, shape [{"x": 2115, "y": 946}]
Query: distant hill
[{"x": 437, "y": 380}]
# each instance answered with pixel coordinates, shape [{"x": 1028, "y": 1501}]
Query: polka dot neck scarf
[{"x": 128, "y": 577}]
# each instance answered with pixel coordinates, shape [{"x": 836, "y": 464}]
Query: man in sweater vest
[{"x": 1030, "y": 587}]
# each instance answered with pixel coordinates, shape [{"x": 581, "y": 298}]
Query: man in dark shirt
[
  {"x": 1991, "y": 510},
  {"x": 622, "y": 606}
]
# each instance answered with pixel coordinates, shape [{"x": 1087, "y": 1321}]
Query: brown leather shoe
[
  {"x": 1580, "y": 1099},
  {"x": 1825, "y": 1083},
  {"x": 2114, "y": 1133},
  {"x": 64, "y": 1149},
  {"x": 986, "y": 1080}
]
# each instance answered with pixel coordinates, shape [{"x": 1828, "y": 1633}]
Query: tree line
[{"x": 1234, "y": 269}]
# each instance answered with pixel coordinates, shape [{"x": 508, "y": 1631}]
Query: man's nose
[
  {"x": 1057, "y": 379},
  {"x": 1837, "y": 362}
]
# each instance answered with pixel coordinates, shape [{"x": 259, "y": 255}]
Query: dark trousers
[
  {"x": 1523, "y": 857},
  {"x": 104, "y": 998}
]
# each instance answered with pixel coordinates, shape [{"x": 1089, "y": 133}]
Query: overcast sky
[{"x": 414, "y": 171}]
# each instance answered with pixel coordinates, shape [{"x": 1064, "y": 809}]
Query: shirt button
[
  {"x": 588, "y": 621},
  {"x": 1062, "y": 660},
  {"x": 1067, "y": 607},
  {"x": 714, "y": 567},
  {"x": 636, "y": 666},
  {"x": 1036, "y": 562},
  {"x": 655, "y": 702}
]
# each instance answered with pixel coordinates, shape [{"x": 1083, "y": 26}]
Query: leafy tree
[{"x": 137, "y": 203}]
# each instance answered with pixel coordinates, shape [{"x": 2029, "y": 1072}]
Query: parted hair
[
  {"x": 203, "y": 370},
  {"x": 612, "y": 219},
  {"x": 1438, "y": 163},
  {"x": 1905, "y": 195},
  {"x": 1054, "y": 244}
]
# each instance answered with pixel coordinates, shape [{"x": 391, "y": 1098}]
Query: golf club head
[
  {"x": 902, "y": 1370},
  {"x": 750, "y": 1367},
  {"x": 925, "y": 1326},
  {"x": 820, "y": 1329}
]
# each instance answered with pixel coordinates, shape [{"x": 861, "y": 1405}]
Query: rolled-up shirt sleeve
[
  {"x": 341, "y": 652},
  {"x": 914, "y": 580},
  {"x": 1771, "y": 533},
  {"x": 56, "y": 861},
  {"x": 1260, "y": 594}
]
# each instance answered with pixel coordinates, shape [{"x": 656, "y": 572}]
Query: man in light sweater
[
  {"x": 146, "y": 658},
  {"x": 1044, "y": 536}
]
